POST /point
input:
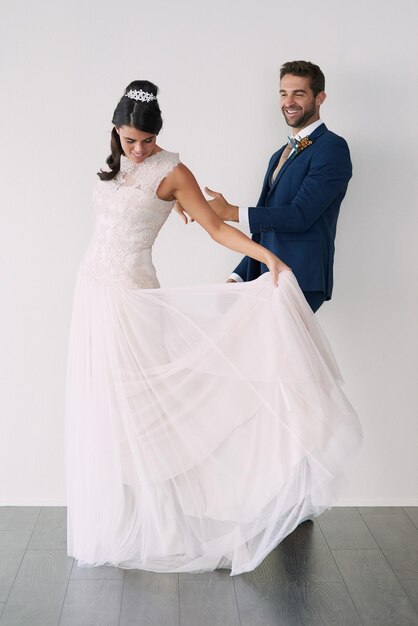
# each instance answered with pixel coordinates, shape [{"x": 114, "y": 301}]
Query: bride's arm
[{"x": 182, "y": 185}]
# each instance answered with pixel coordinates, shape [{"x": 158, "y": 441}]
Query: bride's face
[{"x": 136, "y": 144}]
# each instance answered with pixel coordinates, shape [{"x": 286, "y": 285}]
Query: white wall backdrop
[{"x": 64, "y": 67}]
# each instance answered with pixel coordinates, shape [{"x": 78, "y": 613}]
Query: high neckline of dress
[{"x": 127, "y": 166}]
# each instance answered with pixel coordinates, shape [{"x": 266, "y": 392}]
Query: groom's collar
[{"x": 308, "y": 130}]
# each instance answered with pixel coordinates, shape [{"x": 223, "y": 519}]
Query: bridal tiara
[{"x": 142, "y": 96}]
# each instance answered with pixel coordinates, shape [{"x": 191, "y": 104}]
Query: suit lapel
[{"x": 317, "y": 133}]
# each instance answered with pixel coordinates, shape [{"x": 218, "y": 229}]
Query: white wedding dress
[{"x": 203, "y": 423}]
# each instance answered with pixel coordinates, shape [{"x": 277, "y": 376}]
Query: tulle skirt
[{"x": 203, "y": 424}]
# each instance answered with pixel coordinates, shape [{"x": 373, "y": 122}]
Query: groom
[{"x": 305, "y": 183}]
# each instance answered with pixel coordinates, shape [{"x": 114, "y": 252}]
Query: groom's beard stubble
[{"x": 301, "y": 121}]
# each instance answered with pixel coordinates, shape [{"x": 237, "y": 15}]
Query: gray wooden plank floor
[{"x": 352, "y": 566}]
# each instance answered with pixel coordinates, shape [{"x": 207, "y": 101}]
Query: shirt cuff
[
  {"x": 236, "y": 277},
  {"x": 243, "y": 216}
]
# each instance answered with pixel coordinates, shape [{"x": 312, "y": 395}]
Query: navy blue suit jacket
[{"x": 296, "y": 218}]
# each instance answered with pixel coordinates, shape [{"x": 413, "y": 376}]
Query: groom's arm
[
  {"x": 240, "y": 272},
  {"x": 326, "y": 179}
]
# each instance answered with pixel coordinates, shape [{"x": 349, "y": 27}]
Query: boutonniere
[{"x": 299, "y": 145}]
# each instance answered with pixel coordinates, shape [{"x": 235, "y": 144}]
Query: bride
[{"x": 203, "y": 424}]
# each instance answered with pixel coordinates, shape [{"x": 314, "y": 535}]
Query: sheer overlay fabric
[{"x": 203, "y": 423}]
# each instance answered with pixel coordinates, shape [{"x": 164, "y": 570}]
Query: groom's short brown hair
[{"x": 305, "y": 68}]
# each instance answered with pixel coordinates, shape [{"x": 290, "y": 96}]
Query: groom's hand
[{"x": 227, "y": 212}]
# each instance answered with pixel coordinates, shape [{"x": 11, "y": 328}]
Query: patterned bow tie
[
  {"x": 294, "y": 142},
  {"x": 300, "y": 144},
  {"x": 292, "y": 148}
]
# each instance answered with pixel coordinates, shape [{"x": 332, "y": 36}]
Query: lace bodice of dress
[{"x": 129, "y": 216}]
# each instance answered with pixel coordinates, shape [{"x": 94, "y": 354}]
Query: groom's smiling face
[{"x": 297, "y": 101}]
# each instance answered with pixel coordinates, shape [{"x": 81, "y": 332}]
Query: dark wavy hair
[
  {"x": 145, "y": 116},
  {"x": 305, "y": 68}
]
